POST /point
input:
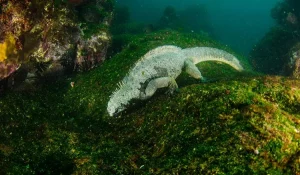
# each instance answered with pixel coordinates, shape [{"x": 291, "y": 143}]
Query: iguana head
[
  {"x": 121, "y": 98},
  {"x": 114, "y": 107}
]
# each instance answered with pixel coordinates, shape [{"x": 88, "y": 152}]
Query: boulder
[{"x": 53, "y": 37}]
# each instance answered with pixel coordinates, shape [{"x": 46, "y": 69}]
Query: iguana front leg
[
  {"x": 192, "y": 70},
  {"x": 154, "y": 84}
]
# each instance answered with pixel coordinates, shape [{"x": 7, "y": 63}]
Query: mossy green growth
[{"x": 237, "y": 124}]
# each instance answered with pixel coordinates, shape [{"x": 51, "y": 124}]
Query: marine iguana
[{"x": 159, "y": 68}]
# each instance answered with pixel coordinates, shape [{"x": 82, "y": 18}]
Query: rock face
[
  {"x": 231, "y": 126},
  {"x": 270, "y": 55},
  {"x": 294, "y": 64},
  {"x": 51, "y": 37},
  {"x": 286, "y": 13},
  {"x": 91, "y": 52},
  {"x": 275, "y": 53},
  {"x": 296, "y": 72}
]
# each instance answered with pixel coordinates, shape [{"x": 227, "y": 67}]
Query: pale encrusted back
[{"x": 157, "y": 51}]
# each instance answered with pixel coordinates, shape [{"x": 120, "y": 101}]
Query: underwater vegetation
[{"x": 240, "y": 123}]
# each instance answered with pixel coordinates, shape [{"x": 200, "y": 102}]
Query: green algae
[{"x": 240, "y": 123}]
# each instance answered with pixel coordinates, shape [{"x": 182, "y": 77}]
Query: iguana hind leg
[{"x": 162, "y": 82}]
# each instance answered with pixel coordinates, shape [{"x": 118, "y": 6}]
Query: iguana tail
[{"x": 200, "y": 54}]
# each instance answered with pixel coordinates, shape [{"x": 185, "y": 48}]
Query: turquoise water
[{"x": 238, "y": 24}]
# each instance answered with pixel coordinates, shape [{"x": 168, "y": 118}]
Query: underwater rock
[
  {"x": 296, "y": 71},
  {"x": 294, "y": 64},
  {"x": 238, "y": 124},
  {"x": 48, "y": 33},
  {"x": 7, "y": 69},
  {"x": 92, "y": 51},
  {"x": 6, "y": 77},
  {"x": 274, "y": 52},
  {"x": 287, "y": 14},
  {"x": 271, "y": 54}
]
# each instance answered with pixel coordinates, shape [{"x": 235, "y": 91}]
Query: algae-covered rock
[
  {"x": 293, "y": 67},
  {"x": 240, "y": 123},
  {"x": 274, "y": 52},
  {"x": 50, "y": 33},
  {"x": 270, "y": 55}
]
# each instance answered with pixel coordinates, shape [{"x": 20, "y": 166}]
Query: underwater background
[
  {"x": 239, "y": 24},
  {"x": 63, "y": 61}
]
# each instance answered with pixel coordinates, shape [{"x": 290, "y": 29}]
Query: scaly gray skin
[{"x": 159, "y": 68}]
